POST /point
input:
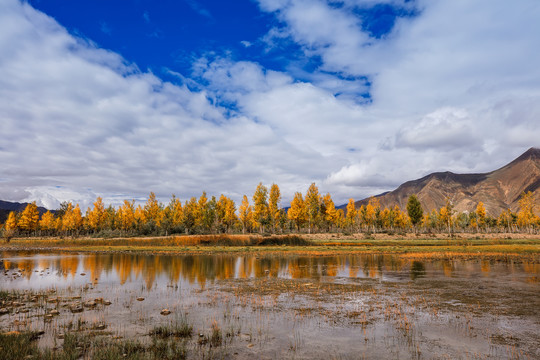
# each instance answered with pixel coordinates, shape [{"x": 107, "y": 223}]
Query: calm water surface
[
  {"x": 284, "y": 306},
  {"x": 65, "y": 270}
]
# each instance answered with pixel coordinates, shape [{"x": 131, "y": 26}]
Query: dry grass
[
  {"x": 177, "y": 241},
  {"x": 306, "y": 244}
]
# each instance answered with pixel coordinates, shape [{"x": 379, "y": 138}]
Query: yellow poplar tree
[
  {"x": 330, "y": 212},
  {"x": 226, "y": 212},
  {"x": 273, "y": 205},
  {"x": 372, "y": 208},
  {"x": 260, "y": 206},
  {"x": 525, "y": 215},
  {"x": 481, "y": 215},
  {"x": 505, "y": 220},
  {"x": 10, "y": 227},
  {"x": 47, "y": 222},
  {"x": 340, "y": 218},
  {"x": 97, "y": 216},
  {"x": 245, "y": 214},
  {"x": 152, "y": 210},
  {"x": 176, "y": 212},
  {"x": 388, "y": 218},
  {"x": 29, "y": 219},
  {"x": 297, "y": 212},
  {"x": 401, "y": 219},
  {"x": 72, "y": 219},
  {"x": 140, "y": 217},
  {"x": 350, "y": 218},
  {"x": 313, "y": 205},
  {"x": 126, "y": 215}
]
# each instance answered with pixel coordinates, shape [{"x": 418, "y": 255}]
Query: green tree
[{"x": 414, "y": 210}]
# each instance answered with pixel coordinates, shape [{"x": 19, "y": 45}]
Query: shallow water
[{"x": 289, "y": 306}]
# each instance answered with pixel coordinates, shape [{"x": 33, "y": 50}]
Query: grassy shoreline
[{"x": 306, "y": 244}]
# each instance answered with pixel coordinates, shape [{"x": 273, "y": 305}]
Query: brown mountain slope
[{"x": 498, "y": 190}]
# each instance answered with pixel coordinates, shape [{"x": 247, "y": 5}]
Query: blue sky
[
  {"x": 165, "y": 34},
  {"x": 169, "y": 34},
  {"x": 119, "y": 98}
]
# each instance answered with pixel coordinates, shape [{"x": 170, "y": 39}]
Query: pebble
[
  {"x": 90, "y": 303},
  {"x": 76, "y": 309}
]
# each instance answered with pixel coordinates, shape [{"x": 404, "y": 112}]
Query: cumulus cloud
[
  {"x": 444, "y": 128},
  {"x": 80, "y": 120},
  {"x": 457, "y": 78}
]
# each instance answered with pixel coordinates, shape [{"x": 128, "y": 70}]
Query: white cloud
[
  {"x": 79, "y": 119},
  {"x": 461, "y": 77},
  {"x": 444, "y": 128}
]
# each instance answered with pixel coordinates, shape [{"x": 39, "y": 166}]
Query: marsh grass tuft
[
  {"x": 15, "y": 345},
  {"x": 216, "y": 337},
  {"x": 179, "y": 329}
]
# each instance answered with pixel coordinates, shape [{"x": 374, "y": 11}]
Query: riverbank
[{"x": 410, "y": 245}]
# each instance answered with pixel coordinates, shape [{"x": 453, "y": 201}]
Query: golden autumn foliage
[
  {"x": 260, "y": 207},
  {"x": 96, "y": 217},
  {"x": 47, "y": 222},
  {"x": 481, "y": 215},
  {"x": 126, "y": 215},
  {"x": 330, "y": 212},
  {"x": 313, "y": 205},
  {"x": 152, "y": 210},
  {"x": 273, "y": 206},
  {"x": 11, "y": 223},
  {"x": 297, "y": 212},
  {"x": 525, "y": 216},
  {"x": 29, "y": 219},
  {"x": 72, "y": 219},
  {"x": 245, "y": 214},
  {"x": 351, "y": 217},
  {"x": 308, "y": 212}
]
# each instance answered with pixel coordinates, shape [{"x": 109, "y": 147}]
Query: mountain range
[
  {"x": 6, "y": 207},
  {"x": 498, "y": 190}
]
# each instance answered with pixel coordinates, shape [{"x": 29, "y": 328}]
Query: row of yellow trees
[{"x": 309, "y": 212}]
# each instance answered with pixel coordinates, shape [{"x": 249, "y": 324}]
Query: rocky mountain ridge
[{"x": 498, "y": 190}]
